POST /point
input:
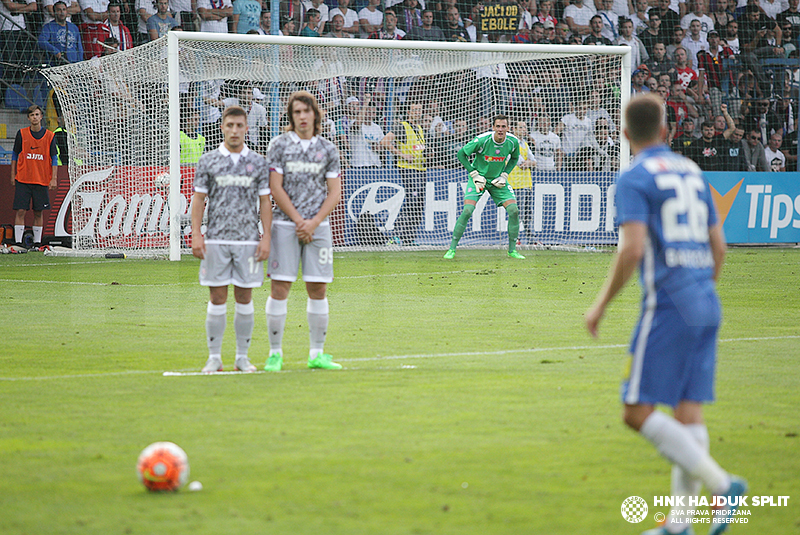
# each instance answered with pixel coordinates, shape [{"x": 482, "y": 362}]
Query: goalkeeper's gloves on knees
[
  {"x": 478, "y": 180},
  {"x": 500, "y": 182}
]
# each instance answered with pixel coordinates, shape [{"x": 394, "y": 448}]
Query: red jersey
[{"x": 35, "y": 161}]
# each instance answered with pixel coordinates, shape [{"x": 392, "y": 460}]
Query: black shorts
[{"x": 25, "y": 193}]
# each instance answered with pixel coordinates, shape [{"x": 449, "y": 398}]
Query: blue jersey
[
  {"x": 669, "y": 194},
  {"x": 674, "y": 344}
]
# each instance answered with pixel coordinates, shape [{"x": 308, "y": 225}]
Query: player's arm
[
  {"x": 630, "y": 250},
  {"x": 198, "y": 208},
  {"x": 305, "y": 230},
  {"x": 262, "y": 251},
  {"x": 716, "y": 239},
  {"x": 54, "y": 158}
]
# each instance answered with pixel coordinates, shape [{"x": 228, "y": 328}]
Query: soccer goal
[{"x": 139, "y": 120}]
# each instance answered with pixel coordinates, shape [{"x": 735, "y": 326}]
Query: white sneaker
[
  {"x": 243, "y": 364},
  {"x": 214, "y": 364}
]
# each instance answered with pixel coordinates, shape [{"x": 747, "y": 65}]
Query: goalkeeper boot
[
  {"x": 214, "y": 364},
  {"x": 274, "y": 362},
  {"x": 450, "y": 254},
  {"x": 737, "y": 489},
  {"x": 324, "y": 362},
  {"x": 243, "y": 364},
  {"x": 515, "y": 254}
]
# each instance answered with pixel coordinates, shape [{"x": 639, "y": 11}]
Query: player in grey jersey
[
  {"x": 235, "y": 180},
  {"x": 304, "y": 180}
]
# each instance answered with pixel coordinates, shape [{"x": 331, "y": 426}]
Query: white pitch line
[{"x": 388, "y": 357}]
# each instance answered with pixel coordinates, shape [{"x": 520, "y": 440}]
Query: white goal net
[{"x": 140, "y": 119}]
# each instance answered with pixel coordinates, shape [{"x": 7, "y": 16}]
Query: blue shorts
[{"x": 673, "y": 356}]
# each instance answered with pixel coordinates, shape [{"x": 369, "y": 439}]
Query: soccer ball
[
  {"x": 163, "y": 466},
  {"x": 162, "y": 180}
]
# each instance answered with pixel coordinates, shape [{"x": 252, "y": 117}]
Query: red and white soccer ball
[{"x": 163, "y": 466}]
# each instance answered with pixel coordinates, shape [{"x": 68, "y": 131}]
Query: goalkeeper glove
[
  {"x": 500, "y": 182},
  {"x": 478, "y": 180}
]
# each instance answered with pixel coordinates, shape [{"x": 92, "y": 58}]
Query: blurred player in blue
[{"x": 668, "y": 227}]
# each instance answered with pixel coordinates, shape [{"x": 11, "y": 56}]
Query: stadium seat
[{"x": 17, "y": 97}]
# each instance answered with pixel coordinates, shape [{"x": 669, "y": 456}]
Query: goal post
[{"x": 128, "y": 114}]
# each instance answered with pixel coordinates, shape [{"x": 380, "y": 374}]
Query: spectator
[
  {"x": 576, "y": 130},
  {"x": 545, "y": 13},
  {"x": 669, "y": 18},
  {"x": 682, "y": 143},
  {"x": 48, "y": 13},
  {"x": 370, "y": 19},
  {"x": 310, "y": 23},
  {"x": 792, "y": 16},
  {"x": 596, "y": 36},
  {"x": 638, "y": 52},
  {"x": 597, "y": 111},
  {"x": 213, "y": 15},
  {"x": 659, "y": 64},
  {"x": 256, "y": 116},
  {"x": 324, "y": 13},
  {"x": 724, "y": 125},
  {"x": 639, "y": 17},
  {"x": 287, "y": 26},
  {"x": 771, "y": 8},
  {"x": 700, "y": 13},
  {"x": 789, "y": 41},
  {"x": 162, "y": 22},
  {"x": 337, "y": 28},
  {"x": 114, "y": 28},
  {"x": 454, "y": 141},
  {"x": 669, "y": 111},
  {"x": 95, "y": 12},
  {"x": 721, "y": 16},
  {"x": 578, "y": 17},
  {"x": 621, "y": 7},
  {"x": 440, "y": 8},
  {"x": 732, "y": 36},
  {"x": 694, "y": 43},
  {"x": 184, "y": 12},
  {"x": 144, "y": 10},
  {"x": 365, "y": 137},
  {"x": 775, "y": 158},
  {"x": 453, "y": 30},
  {"x": 562, "y": 34},
  {"x": 546, "y": 146},
  {"x": 710, "y": 68},
  {"x": 610, "y": 21},
  {"x": 246, "y": 16},
  {"x": 193, "y": 143},
  {"x": 426, "y": 32},
  {"x": 209, "y": 107},
  {"x": 762, "y": 119},
  {"x": 681, "y": 105},
  {"x": 549, "y": 32},
  {"x": 688, "y": 77},
  {"x": 60, "y": 38},
  {"x": 521, "y": 181},
  {"x": 677, "y": 37},
  {"x": 790, "y": 150},
  {"x": 732, "y": 153},
  {"x": 652, "y": 33},
  {"x": 409, "y": 16},
  {"x": 265, "y": 23},
  {"x": 390, "y": 29},
  {"x": 638, "y": 79},
  {"x": 350, "y": 17},
  {"x": 707, "y": 150},
  {"x": 754, "y": 152},
  {"x": 754, "y": 42}
]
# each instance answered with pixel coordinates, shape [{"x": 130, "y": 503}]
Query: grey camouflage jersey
[
  {"x": 233, "y": 193},
  {"x": 305, "y": 172}
]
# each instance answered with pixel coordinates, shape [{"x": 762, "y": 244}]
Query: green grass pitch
[{"x": 472, "y": 400}]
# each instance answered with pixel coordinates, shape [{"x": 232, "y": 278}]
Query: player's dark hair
[
  {"x": 308, "y": 99},
  {"x": 644, "y": 118},
  {"x": 233, "y": 111},
  {"x": 499, "y": 117}
]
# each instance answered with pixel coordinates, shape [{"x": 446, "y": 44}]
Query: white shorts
[
  {"x": 235, "y": 264},
  {"x": 286, "y": 253}
]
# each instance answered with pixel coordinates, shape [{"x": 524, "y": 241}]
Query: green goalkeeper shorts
[{"x": 499, "y": 195}]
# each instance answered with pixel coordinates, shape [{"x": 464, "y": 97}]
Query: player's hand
[
  {"x": 478, "y": 180},
  {"x": 54, "y": 184},
  {"x": 592, "y": 319},
  {"x": 501, "y": 181},
  {"x": 305, "y": 230},
  {"x": 198, "y": 246},
  {"x": 262, "y": 250}
]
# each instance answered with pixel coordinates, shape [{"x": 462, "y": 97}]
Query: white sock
[
  {"x": 684, "y": 484},
  {"x": 276, "y": 310},
  {"x": 215, "y": 327},
  {"x": 317, "y": 313},
  {"x": 37, "y": 234},
  {"x": 675, "y": 442},
  {"x": 19, "y": 230},
  {"x": 243, "y": 322}
]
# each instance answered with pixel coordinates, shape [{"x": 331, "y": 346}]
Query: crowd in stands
[{"x": 724, "y": 71}]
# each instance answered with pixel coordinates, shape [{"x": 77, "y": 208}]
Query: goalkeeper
[{"x": 496, "y": 154}]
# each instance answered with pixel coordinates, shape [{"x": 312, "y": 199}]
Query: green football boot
[
  {"x": 515, "y": 254},
  {"x": 324, "y": 362},
  {"x": 450, "y": 254},
  {"x": 274, "y": 363}
]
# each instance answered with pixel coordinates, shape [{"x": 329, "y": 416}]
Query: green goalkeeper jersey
[{"x": 491, "y": 159}]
